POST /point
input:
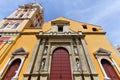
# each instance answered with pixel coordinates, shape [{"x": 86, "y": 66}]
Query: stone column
[
  {"x": 48, "y": 57},
  {"x": 89, "y": 61},
  {"x": 82, "y": 58},
  {"x": 32, "y": 61},
  {"x": 72, "y": 58},
  {"x": 37, "y": 66}
]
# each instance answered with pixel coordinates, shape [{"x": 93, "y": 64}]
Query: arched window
[
  {"x": 109, "y": 70},
  {"x": 4, "y": 25},
  {"x": 11, "y": 71}
]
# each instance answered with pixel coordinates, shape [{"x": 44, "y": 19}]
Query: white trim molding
[
  {"x": 101, "y": 54},
  {"x": 21, "y": 54},
  {"x": 115, "y": 65},
  {"x": 106, "y": 77}
]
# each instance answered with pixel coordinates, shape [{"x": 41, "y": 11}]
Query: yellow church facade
[{"x": 59, "y": 49}]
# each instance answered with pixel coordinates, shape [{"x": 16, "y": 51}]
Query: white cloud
[
  {"x": 106, "y": 10},
  {"x": 95, "y": 12}
]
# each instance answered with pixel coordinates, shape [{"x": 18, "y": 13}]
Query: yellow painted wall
[
  {"x": 94, "y": 42},
  {"x": 74, "y": 25},
  {"x": 28, "y": 43}
]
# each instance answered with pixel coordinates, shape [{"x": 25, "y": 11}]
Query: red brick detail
[{"x": 3, "y": 38}]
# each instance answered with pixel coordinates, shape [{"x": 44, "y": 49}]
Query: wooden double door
[{"x": 60, "y": 65}]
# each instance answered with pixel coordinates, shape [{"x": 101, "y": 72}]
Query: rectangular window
[
  {"x": 84, "y": 26},
  {"x": 15, "y": 25},
  {"x": 21, "y": 15},
  {"x": 60, "y": 28},
  {"x": 4, "y": 25}
]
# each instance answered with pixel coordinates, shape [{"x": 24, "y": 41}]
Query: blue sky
[{"x": 105, "y": 13}]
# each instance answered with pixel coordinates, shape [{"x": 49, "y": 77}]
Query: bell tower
[{"x": 18, "y": 37}]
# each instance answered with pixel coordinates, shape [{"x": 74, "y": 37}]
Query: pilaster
[
  {"x": 89, "y": 61},
  {"x": 72, "y": 59},
  {"x": 82, "y": 58},
  {"x": 48, "y": 58},
  {"x": 36, "y": 69},
  {"x": 32, "y": 61}
]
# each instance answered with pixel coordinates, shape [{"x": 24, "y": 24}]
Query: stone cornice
[
  {"x": 17, "y": 18},
  {"x": 94, "y": 33},
  {"x": 62, "y": 35}
]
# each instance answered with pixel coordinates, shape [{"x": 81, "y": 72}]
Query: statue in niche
[
  {"x": 45, "y": 51},
  {"x": 43, "y": 64},
  {"x": 75, "y": 51},
  {"x": 77, "y": 64}
]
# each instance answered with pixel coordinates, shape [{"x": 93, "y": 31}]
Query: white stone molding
[
  {"x": 17, "y": 72},
  {"x": 115, "y": 65},
  {"x": 106, "y": 77},
  {"x": 104, "y": 54},
  {"x": 12, "y": 58},
  {"x": 48, "y": 57},
  {"x": 55, "y": 47},
  {"x": 72, "y": 60},
  {"x": 55, "y": 28},
  {"x": 65, "y": 28},
  {"x": 5, "y": 66}
]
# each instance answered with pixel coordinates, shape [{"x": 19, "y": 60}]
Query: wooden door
[
  {"x": 60, "y": 65},
  {"x": 109, "y": 70},
  {"x": 12, "y": 70}
]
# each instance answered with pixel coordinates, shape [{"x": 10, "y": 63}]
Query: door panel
[
  {"x": 12, "y": 70},
  {"x": 109, "y": 70},
  {"x": 60, "y": 65}
]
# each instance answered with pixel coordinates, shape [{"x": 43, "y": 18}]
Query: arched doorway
[
  {"x": 60, "y": 65},
  {"x": 109, "y": 70},
  {"x": 10, "y": 73}
]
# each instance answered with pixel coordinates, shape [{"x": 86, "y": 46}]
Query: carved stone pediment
[
  {"x": 102, "y": 52},
  {"x": 20, "y": 51}
]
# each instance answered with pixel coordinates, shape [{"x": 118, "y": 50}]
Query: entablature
[{"x": 61, "y": 35}]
